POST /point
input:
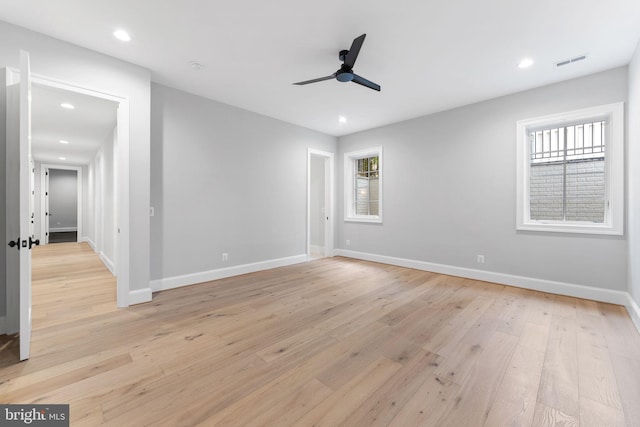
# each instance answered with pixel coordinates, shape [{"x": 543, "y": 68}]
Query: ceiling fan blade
[
  {"x": 319, "y": 79},
  {"x": 364, "y": 82},
  {"x": 351, "y": 57}
]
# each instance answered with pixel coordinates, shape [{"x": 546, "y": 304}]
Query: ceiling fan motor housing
[{"x": 344, "y": 75}]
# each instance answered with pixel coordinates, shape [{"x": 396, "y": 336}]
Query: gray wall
[
  {"x": 633, "y": 166},
  {"x": 224, "y": 180},
  {"x": 69, "y": 63},
  {"x": 63, "y": 199},
  {"x": 449, "y": 190},
  {"x": 316, "y": 214}
]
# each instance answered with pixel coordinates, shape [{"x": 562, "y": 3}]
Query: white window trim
[
  {"x": 614, "y": 171},
  {"x": 349, "y": 173}
]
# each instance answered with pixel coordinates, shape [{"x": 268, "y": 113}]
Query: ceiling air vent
[{"x": 571, "y": 60}]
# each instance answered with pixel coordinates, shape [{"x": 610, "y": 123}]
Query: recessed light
[
  {"x": 196, "y": 65},
  {"x": 62, "y": 158},
  {"x": 525, "y": 63},
  {"x": 122, "y": 35},
  {"x": 63, "y": 141},
  {"x": 342, "y": 119},
  {"x": 67, "y": 106}
]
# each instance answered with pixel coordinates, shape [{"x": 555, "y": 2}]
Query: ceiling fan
[{"x": 345, "y": 73}]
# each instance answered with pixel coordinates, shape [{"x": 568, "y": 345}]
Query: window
[
  {"x": 570, "y": 171},
  {"x": 363, "y": 185}
]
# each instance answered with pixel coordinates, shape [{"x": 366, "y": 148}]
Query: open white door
[
  {"x": 19, "y": 200},
  {"x": 26, "y": 190}
]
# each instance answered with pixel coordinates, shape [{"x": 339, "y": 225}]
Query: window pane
[
  {"x": 546, "y": 191},
  {"x": 362, "y": 196},
  {"x": 367, "y": 191},
  {"x": 568, "y": 185},
  {"x": 585, "y": 191}
]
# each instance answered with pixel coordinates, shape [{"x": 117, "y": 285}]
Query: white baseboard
[
  {"x": 139, "y": 296},
  {"x": 62, "y": 229},
  {"x": 549, "y": 286},
  {"x": 634, "y": 312},
  {"x": 3, "y": 325},
  {"x": 108, "y": 263},
  {"x": 221, "y": 273},
  {"x": 90, "y": 242}
]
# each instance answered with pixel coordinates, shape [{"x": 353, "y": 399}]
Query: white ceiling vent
[{"x": 571, "y": 60}]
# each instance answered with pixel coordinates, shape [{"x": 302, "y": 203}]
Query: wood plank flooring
[{"x": 333, "y": 342}]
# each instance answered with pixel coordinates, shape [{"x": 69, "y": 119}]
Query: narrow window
[{"x": 363, "y": 185}]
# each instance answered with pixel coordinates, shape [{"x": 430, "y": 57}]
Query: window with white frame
[
  {"x": 363, "y": 185},
  {"x": 570, "y": 171}
]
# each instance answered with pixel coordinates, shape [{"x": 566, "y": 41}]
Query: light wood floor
[{"x": 327, "y": 343}]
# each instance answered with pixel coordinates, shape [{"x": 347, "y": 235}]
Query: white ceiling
[
  {"x": 428, "y": 56},
  {"x": 86, "y": 127}
]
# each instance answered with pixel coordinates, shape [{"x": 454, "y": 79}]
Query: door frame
[
  {"x": 44, "y": 237},
  {"x": 121, "y": 174},
  {"x": 329, "y": 169}
]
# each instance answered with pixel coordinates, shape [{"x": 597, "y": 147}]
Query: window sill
[
  {"x": 369, "y": 219},
  {"x": 580, "y": 228}
]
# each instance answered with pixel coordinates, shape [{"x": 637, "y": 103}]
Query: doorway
[
  {"x": 320, "y": 204},
  {"x": 75, "y": 151},
  {"x": 60, "y": 204}
]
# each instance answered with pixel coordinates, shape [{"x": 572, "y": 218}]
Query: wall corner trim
[
  {"x": 634, "y": 311},
  {"x": 139, "y": 296},
  {"x": 221, "y": 273},
  {"x": 569, "y": 289},
  {"x": 107, "y": 263},
  {"x": 90, "y": 243}
]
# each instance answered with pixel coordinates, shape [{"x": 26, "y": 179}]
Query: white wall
[
  {"x": 449, "y": 191},
  {"x": 63, "y": 200},
  {"x": 109, "y": 207},
  {"x": 3, "y": 201},
  {"x": 317, "y": 201},
  {"x": 82, "y": 67},
  {"x": 224, "y": 180},
  {"x": 633, "y": 165},
  {"x": 101, "y": 206},
  {"x": 104, "y": 217}
]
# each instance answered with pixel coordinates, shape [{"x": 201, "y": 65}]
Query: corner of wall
[
  {"x": 634, "y": 312},
  {"x": 633, "y": 185},
  {"x": 139, "y": 296}
]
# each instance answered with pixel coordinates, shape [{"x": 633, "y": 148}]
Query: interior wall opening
[{"x": 319, "y": 204}]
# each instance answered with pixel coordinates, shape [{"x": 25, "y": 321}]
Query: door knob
[
  {"x": 33, "y": 242},
  {"x": 14, "y": 243}
]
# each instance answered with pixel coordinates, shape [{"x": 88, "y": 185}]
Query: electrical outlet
[
  {"x": 152, "y": 211},
  {"x": 225, "y": 256},
  {"x": 348, "y": 242},
  {"x": 480, "y": 259}
]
